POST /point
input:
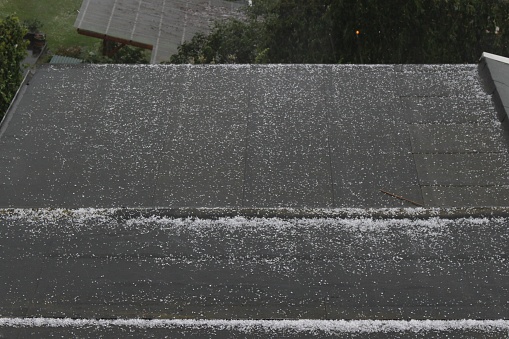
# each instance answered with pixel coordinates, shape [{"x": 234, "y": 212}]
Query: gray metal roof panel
[
  {"x": 59, "y": 59},
  {"x": 494, "y": 70},
  {"x": 162, "y": 24}
]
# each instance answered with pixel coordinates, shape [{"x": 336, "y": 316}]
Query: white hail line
[
  {"x": 185, "y": 24},
  {"x": 84, "y": 12},
  {"x": 342, "y": 326},
  {"x": 156, "y": 48},
  {"x": 111, "y": 17},
  {"x": 136, "y": 20}
]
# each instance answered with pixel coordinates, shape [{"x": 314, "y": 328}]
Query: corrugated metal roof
[
  {"x": 60, "y": 59},
  {"x": 160, "y": 24}
]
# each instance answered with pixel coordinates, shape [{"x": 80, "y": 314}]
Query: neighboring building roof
[
  {"x": 60, "y": 59},
  {"x": 300, "y": 136},
  {"x": 160, "y": 25}
]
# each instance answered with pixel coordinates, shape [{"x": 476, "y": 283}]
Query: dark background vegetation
[
  {"x": 353, "y": 31},
  {"x": 12, "y": 53}
]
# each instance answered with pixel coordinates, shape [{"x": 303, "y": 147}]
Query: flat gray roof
[
  {"x": 254, "y": 192},
  {"x": 299, "y": 136},
  {"x": 91, "y": 264},
  {"x": 161, "y": 25}
]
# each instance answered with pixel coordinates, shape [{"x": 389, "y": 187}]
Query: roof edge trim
[
  {"x": 493, "y": 71},
  {"x": 495, "y": 57},
  {"x": 112, "y": 38}
]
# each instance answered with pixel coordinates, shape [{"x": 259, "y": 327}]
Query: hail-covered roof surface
[
  {"x": 254, "y": 193},
  {"x": 95, "y": 264},
  {"x": 324, "y": 136}
]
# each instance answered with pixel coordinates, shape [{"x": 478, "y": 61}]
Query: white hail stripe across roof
[{"x": 305, "y": 325}]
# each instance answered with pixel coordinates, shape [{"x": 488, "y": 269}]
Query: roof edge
[
  {"x": 489, "y": 72},
  {"x": 114, "y": 39},
  {"x": 494, "y": 57}
]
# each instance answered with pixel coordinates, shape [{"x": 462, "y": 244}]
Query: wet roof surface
[
  {"x": 162, "y": 24},
  {"x": 299, "y": 138},
  {"x": 91, "y": 264},
  {"x": 325, "y": 136}
]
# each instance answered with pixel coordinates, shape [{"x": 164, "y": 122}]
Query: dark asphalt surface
[
  {"x": 250, "y": 136},
  {"x": 93, "y": 265}
]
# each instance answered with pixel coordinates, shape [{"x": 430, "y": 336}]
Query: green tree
[
  {"x": 357, "y": 31},
  {"x": 230, "y": 41},
  {"x": 419, "y": 31},
  {"x": 12, "y": 53},
  {"x": 122, "y": 55}
]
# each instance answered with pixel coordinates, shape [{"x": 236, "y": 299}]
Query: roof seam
[
  {"x": 87, "y": 2},
  {"x": 156, "y": 48},
  {"x": 136, "y": 20},
  {"x": 111, "y": 17}
]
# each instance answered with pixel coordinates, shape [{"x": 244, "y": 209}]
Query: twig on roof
[{"x": 401, "y": 198}]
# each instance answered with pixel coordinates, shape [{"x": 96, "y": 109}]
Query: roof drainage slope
[
  {"x": 88, "y": 264},
  {"x": 270, "y": 142},
  {"x": 275, "y": 136}
]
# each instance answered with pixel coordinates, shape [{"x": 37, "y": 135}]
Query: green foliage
[
  {"x": 122, "y": 55},
  {"x": 130, "y": 55},
  {"x": 230, "y": 41},
  {"x": 57, "y": 16},
  {"x": 356, "y": 31},
  {"x": 12, "y": 53},
  {"x": 262, "y": 57},
  {"x": 419, "y": 31},
  {"x": 72, "y": 51},
  {"x": 33, "y": 25}
]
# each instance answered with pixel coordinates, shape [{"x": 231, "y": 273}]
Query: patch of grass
[{"x": 57, "y": 17}]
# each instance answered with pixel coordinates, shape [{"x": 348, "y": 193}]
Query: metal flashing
[
  {"x": 495, "y": 57},
  {"x": 494, "y": 72}
]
